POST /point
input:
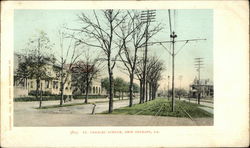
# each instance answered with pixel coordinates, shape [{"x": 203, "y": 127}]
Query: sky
[{"x": 187, "y": 24}]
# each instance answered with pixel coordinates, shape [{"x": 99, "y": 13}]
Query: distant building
[
  {"x": 95, "y": 88},
  {"x": 205, "y": 87},
  {"x": 20, "y": 85},
  {"x": 51, "y": 86},
  {"x": 24, "y": 87}
]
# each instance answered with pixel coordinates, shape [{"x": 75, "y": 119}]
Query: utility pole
[
  {"x": 198, "y": 66},
  {"x": 146, "y": 17},
  {"x": 173, "y": 36},
  {"x": 173, "y": 53},
  {"x": 168, "y": 86}
]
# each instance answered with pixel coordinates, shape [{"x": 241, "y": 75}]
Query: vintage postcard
[{"x": 108, "y": 74}]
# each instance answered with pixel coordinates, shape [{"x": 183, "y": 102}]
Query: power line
[{"x": 172, "y": 42}]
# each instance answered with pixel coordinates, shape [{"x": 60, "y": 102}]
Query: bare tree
[
  {"x": 130, "y": 31},
  {"x": 139, "y": 74},
  {"x": 149, "y": 76},
  {"x": 67, "y": 60},
  {"x": 133, "y": 30},
  {"x": 102, "y": 31},
  {"x": 154, "y": 72},
  {"x": 85, "y": 71}
]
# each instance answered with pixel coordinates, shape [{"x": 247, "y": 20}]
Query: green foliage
[
  {"x": 45, "y": 93},
  {"x": 120, "y": 85},
  {"x": 35, "y": 58},
  {"x": 33, "y": 98},
  {"x": 181, "y": 92},
  {"x": 55, "y": 97},
  {"x": 90, "y": 96},
  {"x": 136, "y": 88},
  {"x": 105, "y": 83},
  {"x": 162, "y": 107}
]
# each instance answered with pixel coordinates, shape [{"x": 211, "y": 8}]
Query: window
[
  {"x": 47, "y": 84},
  {"x": 54, "y": 84},
  {"x": 96, "y": 90},
  {"x": 31, "y": 84}
]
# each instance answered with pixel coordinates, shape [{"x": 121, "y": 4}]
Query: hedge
[
  {"x": 33, "y": 98},
  {"x": 55, "y": 97},
  {"x": 90, "y": 96},
  {"x": 45, "y": 93}
]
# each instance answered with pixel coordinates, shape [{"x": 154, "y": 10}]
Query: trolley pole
[
  {"x": 173, "y": 36},
  {"x": 168, "y": 86}
]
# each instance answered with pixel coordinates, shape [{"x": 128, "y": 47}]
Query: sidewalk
[
  {"x": 202, "y": 103},
  {"x": 209, "y": 108}
]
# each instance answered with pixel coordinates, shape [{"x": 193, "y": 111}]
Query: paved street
[
  {"x": 25, "y": 114},
  {"x": 24, "y": 107}
]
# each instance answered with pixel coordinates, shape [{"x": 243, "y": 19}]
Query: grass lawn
[{"x": 162, "y": 107}]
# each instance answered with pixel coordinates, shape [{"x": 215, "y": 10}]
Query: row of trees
[
  {"x": 73, "y": 64},
  {"x": 153, "y": 76},
  {"x": 120, "y": 86},
  {"x": 180, "y": 92},
  {"x": 120, "y": 36}
]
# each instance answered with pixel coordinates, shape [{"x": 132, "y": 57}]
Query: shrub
[
  {"x": 55, "y": 97},
  {"x": 45, "y": 93},
  {"x": 90, "y": 96},
  {"x": 33, "y": 98}
]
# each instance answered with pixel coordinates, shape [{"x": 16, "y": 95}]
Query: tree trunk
[
  {"x": 141, "y": 91},
  {"x": 146, "y": 91},
  {"x": 122, "y": 95},
  {"x": 153, "y": 91},
  {"x": 37, "y": 92},
  {"x": 150, "y": 91},
  {"x": 86, "y": 93},
  {"x": 199, "y": 97},
  {"x": 62, "y": 84},
  {"x": 41, "y": 99},
  {"x": 111, "y": 89},
  {"x": 131, "y": 90},
  {"x": 62, "y": 94}
]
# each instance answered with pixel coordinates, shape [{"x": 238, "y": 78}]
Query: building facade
[
  {"x": 205, "y": 88},
  {"x": 95, "y": 88},
  {"x": 50, "y": 86}
]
